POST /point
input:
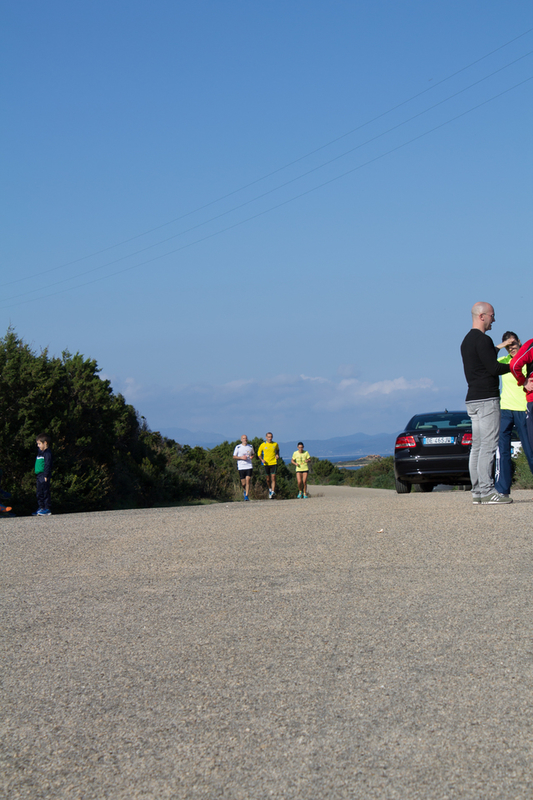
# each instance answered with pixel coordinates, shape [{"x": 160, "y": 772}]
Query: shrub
[
  {"x": 523, "y": 479},
  {"x": 379, "y": 474},
  {"x": 324, "y": 472},
  {"x": 91, "y": 428}
]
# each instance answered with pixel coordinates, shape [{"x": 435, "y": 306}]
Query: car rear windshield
[{"x": 428, "y": 422}]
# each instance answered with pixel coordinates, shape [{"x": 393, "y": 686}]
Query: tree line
[{"x": 105, "y": 456}]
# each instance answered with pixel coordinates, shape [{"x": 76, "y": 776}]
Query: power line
[
  {"x": 284, "y": 202},
  {"x": 270, "y": 174},
  {"x": 280, "y": 186}
]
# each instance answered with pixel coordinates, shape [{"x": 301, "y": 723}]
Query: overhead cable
[
  {"x": 274, "y": 172},
  {"x": 278, "y": 205},
  {"x": 280, "y": 186}
]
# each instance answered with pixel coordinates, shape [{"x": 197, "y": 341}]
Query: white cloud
[
  {"x": 314, "y": 380},
  {"x": 286, "y": 402}
]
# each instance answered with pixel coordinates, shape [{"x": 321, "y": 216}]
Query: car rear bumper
[{"x": 433, "y": 469}]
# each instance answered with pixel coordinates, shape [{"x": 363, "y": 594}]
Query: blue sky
[{"x": 268, "y": 215}]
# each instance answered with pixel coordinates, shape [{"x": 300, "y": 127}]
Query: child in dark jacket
[{"x": 43, "y": 472}]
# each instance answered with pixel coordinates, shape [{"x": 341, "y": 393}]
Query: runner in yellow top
[
  {"x": 269, "y": 453},
  {"x": 301, "y": 459}
]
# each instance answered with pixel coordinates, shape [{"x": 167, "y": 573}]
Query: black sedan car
[{"x": 433, "y": 448}]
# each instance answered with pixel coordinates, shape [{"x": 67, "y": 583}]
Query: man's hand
[
  {"x": 528, "y": 385},
  {"x": 507, "y": 343}
]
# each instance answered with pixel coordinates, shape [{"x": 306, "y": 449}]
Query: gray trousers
[{"x": 485, "y": 416}]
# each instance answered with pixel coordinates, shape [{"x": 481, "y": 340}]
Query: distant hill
[
  {"x": 205, "y": 439},
  {"x": 358, "y": 444}
]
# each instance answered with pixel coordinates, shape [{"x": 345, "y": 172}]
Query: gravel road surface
[{"x": 359, "y": 644}]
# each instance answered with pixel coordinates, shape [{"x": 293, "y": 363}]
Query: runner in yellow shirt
[
  {"x": 301, "y": 458},
  {"x": 269, "y": 453}
]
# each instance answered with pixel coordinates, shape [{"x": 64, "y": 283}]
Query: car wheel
[
  {"x": 402, "y": 487},
  {"x": 427, "y": 487}
]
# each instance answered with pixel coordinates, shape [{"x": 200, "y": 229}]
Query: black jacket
[{"x": 481, "y": 366}]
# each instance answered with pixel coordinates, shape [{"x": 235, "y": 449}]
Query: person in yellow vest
[
  {"x": 269, "y": 453},
  {"x": 301, "y": 458},
  {"x": 513, "y": 407}
]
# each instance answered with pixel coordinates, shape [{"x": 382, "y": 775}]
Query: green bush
[
  {"x": 523, "y": 479},
  {"x": 324, "y": 473},
  {"x": 91, "y": 428},
  {"x": 379, "y": 474}
]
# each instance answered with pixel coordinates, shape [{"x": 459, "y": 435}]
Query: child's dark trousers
[{"x": 44, "y": 499}]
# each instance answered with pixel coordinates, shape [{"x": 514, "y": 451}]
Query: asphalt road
[{"x": 359, "y": 644}]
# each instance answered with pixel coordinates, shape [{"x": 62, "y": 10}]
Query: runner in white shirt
[{"x": 243, "y": 454}]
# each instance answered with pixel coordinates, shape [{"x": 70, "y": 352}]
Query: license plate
[{"x": 438, "y": 440}]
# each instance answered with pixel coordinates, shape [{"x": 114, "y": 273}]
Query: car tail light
[
  {"x": 404, "y": 441},
  {"x": 467, "y": 439}
]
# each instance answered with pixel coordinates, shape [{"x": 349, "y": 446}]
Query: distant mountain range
[
  {"x": 356, "y": 445},
  {"x": 205, "y": 439}
]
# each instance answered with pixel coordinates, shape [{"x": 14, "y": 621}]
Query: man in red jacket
[{"x": 524, "y": 358}]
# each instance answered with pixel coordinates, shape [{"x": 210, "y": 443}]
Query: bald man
[{"x": 482, "y": 372}]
